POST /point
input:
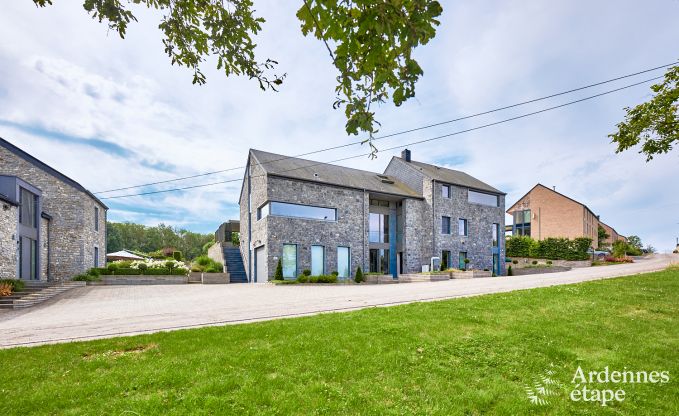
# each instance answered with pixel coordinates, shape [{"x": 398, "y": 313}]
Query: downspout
[{"x": 49, "y": 250}]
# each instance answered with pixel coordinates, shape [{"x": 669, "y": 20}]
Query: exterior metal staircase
[{"x": 233, "y": 263}]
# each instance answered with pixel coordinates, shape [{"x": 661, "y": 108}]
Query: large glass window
[
  {"x": 445, "y": 225},
  {"x": 378, "y": 228},
  {"x": 482, "y": 198},
  {"x": 445, "y": 191},
  {"x": 462, "y": 264},
  {"x": 28, "y": 211},
  {"x": 317, "y": 260},
  {"x": 496, "y": 232},
  {"x": 462, "y": 228},
  {"x": 290, "y": 261},
  {"x": 379, "y": 260},
  {"x": 522, "y": 220},
  {"x": 284, "y": 209},
  {"x": 445, "y": 260},
  {"x": 343, "y": 262}
]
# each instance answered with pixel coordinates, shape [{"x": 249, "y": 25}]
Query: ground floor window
[
  {"x": 379, "y": 260},
  {"x": 445, "y": 260},
  {"x": 463, "y": 263},
  {"x": 343, "y": 262},
  {"x": 496, "y": 264},
  {"x": 317, "y": 260},
  {"x": 290, "y": 261}
]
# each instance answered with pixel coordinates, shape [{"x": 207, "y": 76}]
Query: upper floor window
[
  {"x": 285, "y": 209},
  {"x": 522, "y": 222},
  {"x": 483, "y": 198},
  {"x": 378, "y": 228},
  {"x": 445, "y": 225},
  {"x": 28, "y": 214},
  {"x": 445, "y": 191},
  {"x": 462, "y": 227},
  {"x": 96, "y": 218}
]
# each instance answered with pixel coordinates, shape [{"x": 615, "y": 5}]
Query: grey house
[
  {"x": 51, "y": 227},
  {"x": 328, "y": 218}
]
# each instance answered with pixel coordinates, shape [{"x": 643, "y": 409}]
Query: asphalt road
[{"x": 107, "y": 311}]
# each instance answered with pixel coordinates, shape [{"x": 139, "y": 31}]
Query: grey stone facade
[
  {"x": 68, "y": 234},
  {"x": 414, "y": 199}
]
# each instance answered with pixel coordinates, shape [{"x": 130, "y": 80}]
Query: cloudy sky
[{"x": 112, "y": 113}]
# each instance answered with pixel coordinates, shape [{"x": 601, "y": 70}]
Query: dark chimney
[{"x": 405, "y": 155}]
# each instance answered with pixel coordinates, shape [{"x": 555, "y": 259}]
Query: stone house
[
  {"x": 328, "y": 218},
  {"x": 51, "y": 227},
  {"x": 543, "y": 213}
]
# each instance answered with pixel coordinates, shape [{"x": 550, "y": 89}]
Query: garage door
[{"x": 260, "y": 265}]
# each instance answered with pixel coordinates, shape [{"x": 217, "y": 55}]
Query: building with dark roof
[
  {"x": 51, "y": 227},
  {"x": 328, "y": 218}
]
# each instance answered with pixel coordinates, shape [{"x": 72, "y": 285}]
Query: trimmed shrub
[
  {"x": 177, "y": 255},
  {"x": 335, "y": 273},
  {"x": 303, "y": 278},
  {"x": 278, "y": 275},
  {"x": 520, "y": 246},
  {"x": 510, "y": 272},
  {"x": 113, "y": 266},
  {"x": 202, "y": 260},
  {"x": 358, "y": 277},
  {"x": 306, "y": 272},
  {"x": 85, "y": 278},
  {"x": 143, "y": 267}
]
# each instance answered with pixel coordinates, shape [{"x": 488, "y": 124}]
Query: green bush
[
  {"x": 128, "y": 271},
  {"x": 306, "y": 272},
  {"x": 202, "y": 260},
  {"x": 112, "y": 266},
  {"x": 324, "y": 278},
  {"x": 519, "y": 246},
  {"x": 235, "y": 238},
  {"x": 143, "y": 266},
  {"x": 216, "y": 267},
  {"x": 358, "y": 277},
  {"x": 303, "y": 278},
  {"x": 85, "y": 278},
  {"x": 278, "y": 275},
  {"x": 549, "y": 248},
  {"x": 621, "y": 249},
  {"x": 177, "y": 255},
  {"x": 510, "y": 272},
  {"x": 335, "y": 273},
  {"x": 17, "y": 285}
]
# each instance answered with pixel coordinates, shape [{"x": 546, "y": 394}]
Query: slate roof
[
  {"x": 45, "y": 167},
  {"x": 556, "y": 192},
  {"x": 453, "y": 177},
  {"x": 325, "y": 173}
]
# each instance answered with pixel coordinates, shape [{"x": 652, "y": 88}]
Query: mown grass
[{"x": 467, "y": 356}]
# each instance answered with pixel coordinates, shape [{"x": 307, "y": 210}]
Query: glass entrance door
[{"x": 28, "y": 258}]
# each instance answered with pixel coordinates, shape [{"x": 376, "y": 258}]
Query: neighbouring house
[
  {"x": 613, "y": 235},
  {"x": 543, "y": 213},
  {"x": 329, "y": 218},
  {"x": 123, "y": 255},
  {"x": 51, "y": 227}
]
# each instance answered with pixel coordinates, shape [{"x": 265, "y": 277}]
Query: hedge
[
  {"x": 549, "y": 248},
  {"x": 136, "y": 272}
]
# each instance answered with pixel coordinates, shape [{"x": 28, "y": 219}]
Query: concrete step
[{"x": 37, "y": 292}]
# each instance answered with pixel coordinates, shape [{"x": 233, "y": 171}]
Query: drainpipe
[{"x": 49, "y": 250}]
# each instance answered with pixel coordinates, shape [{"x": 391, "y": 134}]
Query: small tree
[
  {"x": 602, "y": 236},
  {"x": 358, "y": 277},
  {"x": 279, "y": 271},
  {"x": 177, "y": 255},
  {"x": 466, "y": 263},
  {"x": 510, "y": 272}
]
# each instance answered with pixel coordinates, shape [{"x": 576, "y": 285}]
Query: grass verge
[{"x": 465, "y": 356}]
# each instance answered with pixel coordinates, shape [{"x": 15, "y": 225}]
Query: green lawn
[{"x": 466, "y": 356}]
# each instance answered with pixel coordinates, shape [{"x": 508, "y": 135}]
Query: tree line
[{"x": 147, "y": 239}]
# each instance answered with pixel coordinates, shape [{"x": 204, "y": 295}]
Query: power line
[
  {"x": 397, "y": 133},
  {"x": 402, "y": 145}
]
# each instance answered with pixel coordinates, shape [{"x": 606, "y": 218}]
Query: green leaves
[
  {"x": 655, "y": 123},
  {"x": 372, "y": 44}
]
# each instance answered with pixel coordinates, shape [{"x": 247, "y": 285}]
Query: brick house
[
  {"x": 327, "y": 218},
  {"x": 543, "y": 213},
  {"x": 51, "y": 227}
]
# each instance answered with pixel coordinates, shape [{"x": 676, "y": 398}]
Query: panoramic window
[
  {"x": 317, "y": 260},
  {"x": 462, "y": 227},
  {"x": 482, "y": 198},
  {"x": 445, "y": 225},
  {"x": 378, "y": 228},
  {"x": 343, "y": 262},
  {"x": 445, "y": 191},
  {"x": 285, "y": 209},
  {"x": 289, "y": 260}
]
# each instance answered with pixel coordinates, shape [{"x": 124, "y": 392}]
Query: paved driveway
[{"x": 107, "y": 311}]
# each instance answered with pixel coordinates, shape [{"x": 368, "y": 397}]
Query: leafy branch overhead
[
  {"x": 654, "y": 124},
  {"x": 371, "y": 43}
]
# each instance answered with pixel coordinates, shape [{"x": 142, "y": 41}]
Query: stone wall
[
  {"x": 9, "y": 216},
  {"x": 350, "y": 229},
  {"x": 528, "y": 262},
  {"x": 44, "y": 248},
  {"x": 72, "y": 236},
  {"x": 258, "y": 187},
  {"x": 216, "y": 252}
]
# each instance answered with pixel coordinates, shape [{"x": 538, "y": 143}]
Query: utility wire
[
  {"x": 396, "y": 133},
  {"x": 402, "y": 145}
]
